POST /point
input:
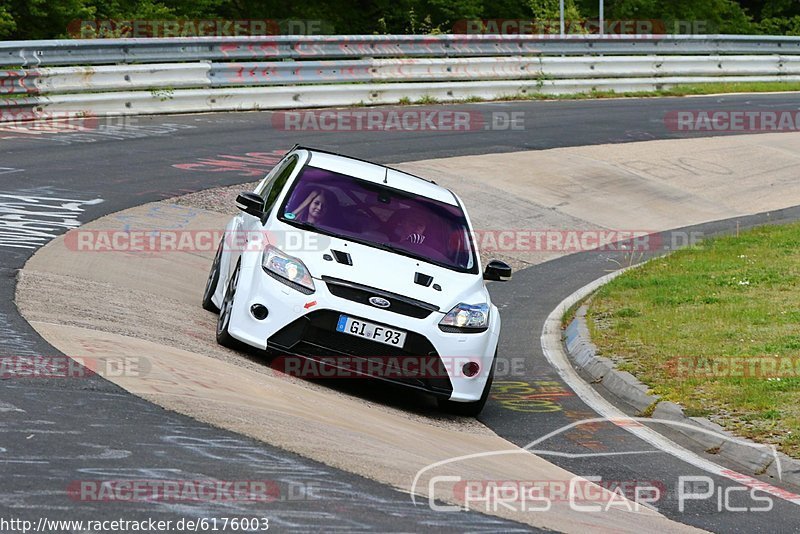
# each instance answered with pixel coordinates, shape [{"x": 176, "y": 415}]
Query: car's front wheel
[
  {"x": 211, "y": 284},
  {"x": 470, "y": 409},
  {"x": 226, "y": 310}
]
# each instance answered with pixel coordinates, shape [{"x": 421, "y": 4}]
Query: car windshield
[{"x": 380, "y": 216}]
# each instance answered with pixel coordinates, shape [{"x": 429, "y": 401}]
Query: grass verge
[
  {"x": 715, "y": 328},
  {"x": 737, "y": 87},
  {"x": 678, "y": 90}
]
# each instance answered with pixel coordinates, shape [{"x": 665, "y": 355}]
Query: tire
[
  {"x": 470, "y": 409},
  {"x": 224, "y": 320},
  {"x": 211, "y": 284}
]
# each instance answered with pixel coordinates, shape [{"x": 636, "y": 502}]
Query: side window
[
  {"x": 266, "y": 183},
  {"x": 277, "y": 184}
]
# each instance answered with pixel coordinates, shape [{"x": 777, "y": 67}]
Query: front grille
[
  {"x": 343, "y": 344},
  {"x": 361, "y": 294},
  {"x": 315, "y": 336}
]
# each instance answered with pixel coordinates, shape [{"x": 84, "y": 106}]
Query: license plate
[{"x": 357, "y": 327}]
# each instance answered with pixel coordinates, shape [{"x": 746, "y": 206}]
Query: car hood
[{"x": 392, "y": 272}]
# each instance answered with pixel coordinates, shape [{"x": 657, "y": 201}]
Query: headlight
[
  {"x": 466, "y": 317},
  {"x": 286, "y": 267}
]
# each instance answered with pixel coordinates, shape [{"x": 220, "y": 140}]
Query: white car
[{"x": 360, "y": 270}]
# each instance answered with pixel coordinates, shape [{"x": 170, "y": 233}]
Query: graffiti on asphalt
[
  {"x": 56, "y": 132},
  {"x": 29, "y": 221},
  {"x": 537, "y": 396},
  {"x": 249, "y": 164}
]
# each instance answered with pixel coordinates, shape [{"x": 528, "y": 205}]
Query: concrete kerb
[{"x": 626, "y": 390}]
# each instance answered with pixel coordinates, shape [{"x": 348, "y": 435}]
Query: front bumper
[
  {"x": 314, "y": 336},
  {"x": 304, "y": 325}
]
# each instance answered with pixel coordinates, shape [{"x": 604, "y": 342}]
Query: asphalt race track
[{"x": 56, "y": 431}]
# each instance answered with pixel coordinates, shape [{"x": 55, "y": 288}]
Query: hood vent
[
  {"x": 422, "y": 279},
  {"x": 342, "y": 257}
]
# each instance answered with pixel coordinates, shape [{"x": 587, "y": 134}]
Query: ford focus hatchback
[{"x": 345, "y": 268}]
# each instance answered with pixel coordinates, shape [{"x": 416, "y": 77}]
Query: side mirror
[
  {"x": 498, "y": 271},
  {"x": 251, "y": 204}
]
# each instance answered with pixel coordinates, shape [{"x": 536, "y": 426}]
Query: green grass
[
  {"x": 427, "y": 99},
  {"x": 678, "y": 90},
  {"x": 728, "y": 297},
  {"x": 738, "y": 87}
]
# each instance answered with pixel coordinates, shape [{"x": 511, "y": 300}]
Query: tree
[
  {"x": 551, "y": 9},
  {"x": 706, "y": 16},
  {"x": 780, "y": 26},
  {"x": 48, "y": 19},
  {"x": 7, "y": 23},
  {"x": 43, "y": 19},
  {"x": 766, "y": 9},
  {"x": 775, "y": 17}
]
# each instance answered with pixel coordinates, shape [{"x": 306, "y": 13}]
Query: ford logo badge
[{"x": 379, "y": 302}]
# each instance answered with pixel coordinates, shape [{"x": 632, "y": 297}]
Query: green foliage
[
  {"x": 708, "y": 16},
  {"x": 47, "y": 19},
  {"x": 549, "y": 9},
  {"x": 43, "y": 19},
  {"x": 779, "y": 26},
  {"x": 765, "y": 9},
  {"x": 7, "y": 23}
]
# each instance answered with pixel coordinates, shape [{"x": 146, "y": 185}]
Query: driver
[{"x": 409, "y": 228}]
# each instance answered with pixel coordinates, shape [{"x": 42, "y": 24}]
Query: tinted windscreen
[{"x": 381, "y": 216}]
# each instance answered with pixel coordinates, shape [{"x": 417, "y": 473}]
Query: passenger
[{"x": 315, "y": 206}]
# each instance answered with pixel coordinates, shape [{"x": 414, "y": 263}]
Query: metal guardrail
[
  {"x": 63, "y": 80},
  {"x": 16, "y": 81},
  {"x": 325, "y": 95},
  {"x": 198, "y": 74},
  {"x": 496, "y": 68},
  {"x": 115, "y": 51}
]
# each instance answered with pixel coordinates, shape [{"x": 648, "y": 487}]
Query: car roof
[{"x": 379, "y": 174}]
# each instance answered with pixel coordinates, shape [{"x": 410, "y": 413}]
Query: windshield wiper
[
  {"x": 405, "y": 252},
  {"x": 393, "y": 248}
]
